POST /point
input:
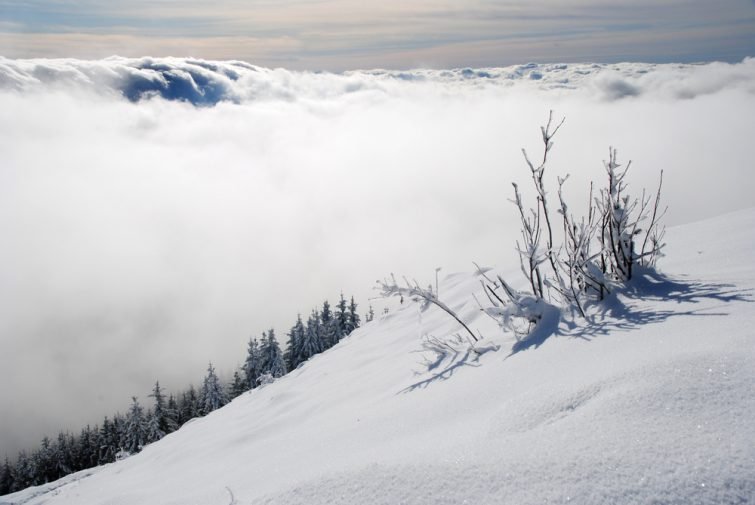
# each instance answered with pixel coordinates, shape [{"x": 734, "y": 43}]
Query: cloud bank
[
  {"x": 207, "y": 83},
  {"x": 155, "y": 213}
]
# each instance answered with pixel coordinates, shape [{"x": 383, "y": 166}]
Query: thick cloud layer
[
  {"x": 210, "y": 82},
  {"x": 155, "y": 213}
]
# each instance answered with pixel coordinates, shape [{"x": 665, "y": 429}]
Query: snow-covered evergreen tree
[
  {"x": 21, "y": 472},
  {"x": 311, "y": 344},
  {"x": 135, "y": 428},
  {"x": 44, "y": 465},
  {"x": 329, "y": 334},
  {"x": 342, "y": 316},
  {"x": 271, "y": 355},
  {"x": 63, "y": 463},
  {"x": 190, "y": 405},
  {"x": 213, "y": 394},
  {"x": 172, "y": 414},
  {"x": 253, "y": 363},
  {"x": 352, "y": 318},
  {"x": 153, "y": 431},
  {"x": 89, "y": 441},
  {"x": 74, "y": 446},
  {"x": 6, "y": 478},
  {"x": 238, "y": 386},
  {"x": 293, "y": 347},
  {"x": 159, "y": 412},
  {"x": 109, "y": 445},
  {"x": 120, "y": 427}
]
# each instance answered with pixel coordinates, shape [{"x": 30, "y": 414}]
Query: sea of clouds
[
  {"x": 157, "y": 212},
  {"x": 207, "y": 83}
]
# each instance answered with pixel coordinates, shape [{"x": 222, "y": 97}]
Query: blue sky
[{"x": 345, "y": 34}]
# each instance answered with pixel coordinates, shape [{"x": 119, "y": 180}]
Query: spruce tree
[
  {"x": 119, "y": 428},
  {"x": 293, "y": 347},
  {"x": 135, "y": 428},
  {"x": 153, "y": 432},
  {"x": 311, "y": 344},
  {"x": 352, "y": 320},
  {"x": 253, "y": 363},
  {"x": 24, "y": 474},
  {"x": 109, "y": 445},
  {"x": 190, "y": 407},
  {"x": 6, "y": 478},
  {"x": 88, "y": 448},
  {"x": 342, "y": 317},
  {"x": 328, "y": 328},
  {"x": 95, "y": 441},
  {"x": 238, "y": 386},
  {"x": 272, "y": 356},
  {"x": 63, "y": 463},
  {"x": 213, "y": 395},
  {"x": 77, "y": 453},
  {"x": 56, "y": 458},
  {"x": 172, "y": 414},
  {"x": 44, "y": 462},
  {"x": 159, "y": 411}
]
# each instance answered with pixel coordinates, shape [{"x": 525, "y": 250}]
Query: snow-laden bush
[
  {"x": 597, "y": 252},
  {"x": 121, "y": 455},
  {"x": 265, "y": 379}
]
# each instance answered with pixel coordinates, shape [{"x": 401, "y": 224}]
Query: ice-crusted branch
[
  {"x": 655, "y": 232},
  {"x": 390, "y": 287},
  {"x": 548, "y": 136},
  {"x": 622, "y": 217},
  {"x": 233, "y": 498},
  {"x": 582, "y": 274}
]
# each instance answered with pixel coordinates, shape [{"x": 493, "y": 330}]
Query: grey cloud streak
[
  {"x": 345, "y": 34},
  {"x": 142, "y": 238}
]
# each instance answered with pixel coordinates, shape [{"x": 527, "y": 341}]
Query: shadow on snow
[
  {"x": 628, "y": 308},
  {"x": 447, "y": 360}
]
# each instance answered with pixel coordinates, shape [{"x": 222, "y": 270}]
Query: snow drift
[{"x": 650, "y": 402}]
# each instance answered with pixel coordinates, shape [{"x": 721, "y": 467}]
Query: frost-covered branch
[
  {"x": 622, "y": 217},
  {"x": 415, "y": 292},
  {"x": 538, "y": 174},
  {"x": 581, "y": 273}
]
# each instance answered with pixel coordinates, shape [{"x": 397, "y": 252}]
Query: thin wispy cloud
[{"x": 346, "y": 34}]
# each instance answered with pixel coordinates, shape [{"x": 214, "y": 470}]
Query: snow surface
[{"x": 655, "y": 406}]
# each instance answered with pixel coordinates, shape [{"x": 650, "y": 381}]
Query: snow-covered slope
[{"x": 653, "y": 407}]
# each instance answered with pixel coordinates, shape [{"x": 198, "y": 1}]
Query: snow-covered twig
[
  {"x": 233, "y": 498},
  {"x": 414, "y": 291}
]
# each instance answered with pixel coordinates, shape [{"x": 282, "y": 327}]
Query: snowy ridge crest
[
  {"x": 657, "y": 411},
  {"x": 206, "y": 83}
]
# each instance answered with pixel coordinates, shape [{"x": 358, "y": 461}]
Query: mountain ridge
[{"x": 654, "y": 407}]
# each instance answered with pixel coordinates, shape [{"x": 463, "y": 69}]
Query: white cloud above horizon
[{"x": 143, "y": 238}]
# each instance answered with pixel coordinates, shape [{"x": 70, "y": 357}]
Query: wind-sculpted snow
[
  {"x": 651, "y": 406},
  {"x": 210, "y": 82}
]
